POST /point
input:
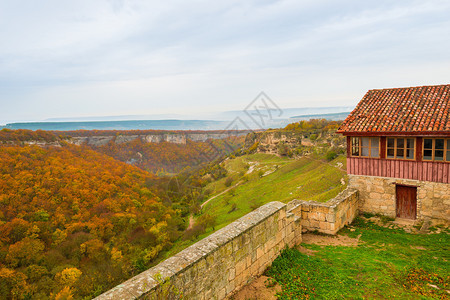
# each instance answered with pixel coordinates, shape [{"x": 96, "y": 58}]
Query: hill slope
[
  {"x": 264, "y": 178},
  {"x": 168, "y": 158},
  {"x": 74, "y": 221}
]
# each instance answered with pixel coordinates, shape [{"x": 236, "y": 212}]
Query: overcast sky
[{"x": 65, "y": 58}]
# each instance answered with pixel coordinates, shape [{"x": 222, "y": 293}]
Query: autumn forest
[{"x": 78, "y": 220}]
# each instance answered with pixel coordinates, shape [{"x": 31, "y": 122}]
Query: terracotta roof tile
[{"x": 423, "y": 109}]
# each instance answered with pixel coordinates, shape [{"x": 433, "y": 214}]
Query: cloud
[{"x": 129, "y": 56}]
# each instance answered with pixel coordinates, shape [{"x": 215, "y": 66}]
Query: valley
[{"x": 96, "y": 215}]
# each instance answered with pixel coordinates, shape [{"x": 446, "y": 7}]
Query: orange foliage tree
[{"x": 76, "y": 222}]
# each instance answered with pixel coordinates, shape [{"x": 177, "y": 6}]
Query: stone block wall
[
  {"x": 221, "y": 263},
  {"x": 378, "y": 195},
  {"x": 331, "y": 216}
]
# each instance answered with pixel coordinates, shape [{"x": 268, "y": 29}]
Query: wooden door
[{"x": 406, "y": 201}]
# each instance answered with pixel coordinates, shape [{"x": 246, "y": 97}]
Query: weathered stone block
[
  {"x": 321, "y": 216},
  {"x": 208, "y": 294},
  {"x": 279, "y": 236},
  {"x": 269, "y": 245},
  {"x": 231, "y": 274},
  {"x": 239, "y": 281},
  {"x": 333, "y": 227},
  {"x": 291, "y": 239},
  {"x": 231, "y": 286},
  {"x": 221, "y": 294},
  {"x": 254, "y": 268},
  {"x": 246, "y": 274},
  {"x": 271, "y": 253},
  {"x": 281, "y": 223},
  {"x": 282, "y": 214},
  {"x": 324, "y": 226},
  {"x": 330, "y": 217},
  {"x": 259, "y": 252},
  {"x": 314, "y": 224},
  {"x": 240, "y": 266},
  {"x": 306, "y": 223}
]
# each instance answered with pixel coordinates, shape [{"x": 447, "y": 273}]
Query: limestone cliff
[
  {"x": 283, "y": 142},
  {"x": 177, "y": 138}
]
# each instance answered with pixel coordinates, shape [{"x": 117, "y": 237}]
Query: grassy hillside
[
  {"x": 255, "y": 179},
  {"x": 261, "y": 178}
]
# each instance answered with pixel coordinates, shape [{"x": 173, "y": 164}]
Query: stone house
[{"x": 398, "y": 152}]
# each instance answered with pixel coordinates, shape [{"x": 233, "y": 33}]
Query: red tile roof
[{"x": 422, "y": 110}]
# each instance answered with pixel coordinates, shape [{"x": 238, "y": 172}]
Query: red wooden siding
[
  {"x": 383, "y": 147},
  {"x": 424, "y": 171},
  {"x": 419, "y": 149}
]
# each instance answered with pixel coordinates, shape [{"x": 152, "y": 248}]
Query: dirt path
[
  {"x": 191, "y": 217},
  {"x": 329, "y": 240},
  {"x": 191, "y": 222},
  {"x": 258, "y": 289},
  {"x": 221, "y": 193}
]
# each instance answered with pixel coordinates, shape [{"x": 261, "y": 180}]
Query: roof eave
[{"x": 394, "y": 133}]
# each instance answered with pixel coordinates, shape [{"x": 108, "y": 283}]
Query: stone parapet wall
[
  {"x": 221, "y": 263},
  {"x": 331, "y": 216},
  {"x": 378, "y": 195}
]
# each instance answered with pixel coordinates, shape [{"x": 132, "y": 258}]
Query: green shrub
[
  {"x": 331, "y": 155},
  {"x": 228, "y": 181},
  {"x": 283, "y": 149},
  {"x": 233, "y": 208},
  {"x": 253, "y": 148},
  {"x": 368, "y": 215},
  {"x": 206, "y": 220},
  {"x": 194, "y": 232}
]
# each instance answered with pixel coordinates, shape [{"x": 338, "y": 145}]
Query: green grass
[
  {"x": 319, "y": 181},
  {"x": 304, "y": 179},
  {"x": 388, "y": 263},
  {"x": 238, "y": 166}
]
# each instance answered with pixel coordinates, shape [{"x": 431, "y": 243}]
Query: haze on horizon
[{"x": 107, "y": 58}]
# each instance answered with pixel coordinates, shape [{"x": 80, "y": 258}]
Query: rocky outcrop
[
  {"x": 42, "y": 144},
  {"x": 177, "y": 138},
  {"x": 271, "y": 142},
  {"x": 103, "y": 139},
  {"x": 90, "y": 140},
  {"x": 282, "y": 142},
  {"x": 125, "y": 138}
]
